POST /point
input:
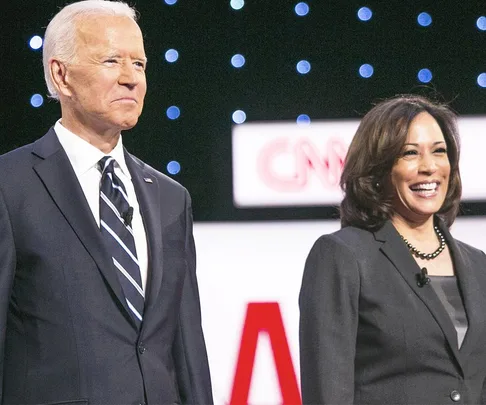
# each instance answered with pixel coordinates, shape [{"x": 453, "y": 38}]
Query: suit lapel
[
  {"x": 147, "y": 190},
  {"x": 397, "y": 252},
  {"x": 57, "y": 174},
  {"x": 473, "y": 297}
]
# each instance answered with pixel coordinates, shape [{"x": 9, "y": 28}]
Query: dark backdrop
[{"x": 273, "y": 39}]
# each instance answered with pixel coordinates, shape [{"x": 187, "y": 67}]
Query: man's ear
[{"x": 59, "y": 76}]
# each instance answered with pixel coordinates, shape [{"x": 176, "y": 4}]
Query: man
[{"x": 99, "y": 301}]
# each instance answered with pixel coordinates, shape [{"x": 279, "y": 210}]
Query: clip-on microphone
[{"x": 422, "y": 277}]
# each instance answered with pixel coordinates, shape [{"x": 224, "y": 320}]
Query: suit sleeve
[
  {"x": 7, "y": 271},
  {"x": 189, "y": 351},
  {"x": 328, "y": 303}
]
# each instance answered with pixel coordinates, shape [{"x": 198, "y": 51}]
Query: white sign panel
[{"x": 286, "y": 164}]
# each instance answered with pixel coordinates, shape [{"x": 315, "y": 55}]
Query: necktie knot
[{"x": 106, "y": 164}]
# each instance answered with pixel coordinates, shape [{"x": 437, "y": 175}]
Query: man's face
[{"x": 105, "y": 85}]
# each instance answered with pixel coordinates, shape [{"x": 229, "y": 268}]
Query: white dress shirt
[{"x": 84, "y": 159}]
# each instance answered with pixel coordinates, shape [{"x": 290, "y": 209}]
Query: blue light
[
  {"x": 238, "y": 60},
  {"x": 424, "y": 19},
  {"x": 303, "y": 67},
  {"x": 303, "y": 119},
  {"x": 171, "y": 55},
  {"x": 366, "y": 70},
  {"x": 173, "y": 112},
  {"x": 365, "y": 13},
  {"x": 173, "y": 167},
  {"x": 35, "y": 42},
  {"x": 424, "y": 75},
  {"x": 481, "y": 23},
  {"x": 482, "y": 80},
  {"x": 170, "y": 2},
  {"x": 237, "y": 4},
  {"x": 239, "y": 117},
  {"x": 36, "y": 100},
  {"x": 302, "y": 9}
]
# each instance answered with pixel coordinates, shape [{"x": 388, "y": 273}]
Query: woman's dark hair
[{"x": 373, "y": 151}]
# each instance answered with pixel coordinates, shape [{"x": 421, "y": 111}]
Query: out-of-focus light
[
  {"x": 482, "y": 80},
  {"x": 173, "y": 112},
  {"x": 173, "y": 167},
  {"x": 481, "y": 23},
  {"x": 239, "y": 117},
  {"x": 237, "y": 60},
  {"x": 366, "y": 70},
  {"x": 303, "y": 67},
  {"x": 35, "y": 42},
  {"x": 170, "y": 2},
  {"x": 237, "y": 4},
  {"x": 424, "y": 75},
  {"x": 171, "y": 55},
  {"x": 365, "y": 13},
  {"x": 302, "y": 9},
  {"x": 424, "y": 19},
  {"x": 36, "y": 100},
  {"x": 303, "y": 119}
]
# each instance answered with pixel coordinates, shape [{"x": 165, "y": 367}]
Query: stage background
[{"x": 251, "y": 251}]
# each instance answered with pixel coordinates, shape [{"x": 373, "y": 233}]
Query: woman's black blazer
[{"x": 369, "y": 334}]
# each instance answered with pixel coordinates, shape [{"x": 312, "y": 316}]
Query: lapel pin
[{"x": 147, "y": 180}]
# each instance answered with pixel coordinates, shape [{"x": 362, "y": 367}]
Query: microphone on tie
[
  {"x": 128, "y": 216},
  {"x": 422, "y": 277}
]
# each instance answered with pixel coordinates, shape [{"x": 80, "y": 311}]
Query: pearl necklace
[{"x": 427, "y": 256}]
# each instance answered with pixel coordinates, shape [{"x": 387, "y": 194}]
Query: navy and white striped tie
[{"x": 116, "y": 228}]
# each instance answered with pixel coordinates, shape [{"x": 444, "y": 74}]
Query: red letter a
[{"x": 264, "y": 317}]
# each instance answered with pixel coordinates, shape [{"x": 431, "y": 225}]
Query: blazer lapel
[
  {"x": 473, "y": 297},
  {"x": 147, "y": 190},
  {"x": 397, "y": 252},
  {"x": 57, "y": 174}
]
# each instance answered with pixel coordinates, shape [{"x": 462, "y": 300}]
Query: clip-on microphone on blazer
[
  {"x": 128, "y": 216},
  {"x": 422, "y": 277}
]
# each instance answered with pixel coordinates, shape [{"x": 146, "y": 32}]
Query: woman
[{"x": 393, "y": 308}]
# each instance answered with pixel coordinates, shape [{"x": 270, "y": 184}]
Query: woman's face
[{"x": 420, "y": 175}]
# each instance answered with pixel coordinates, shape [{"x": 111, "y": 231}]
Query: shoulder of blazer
[
  {"x": 471, "y": 251},
  {"x": 30, "y": 153},
  {"x": 464, "y": 249},
  {"x": 359, "y": 242},
  {"x": 16, "y": 157},
  {"x": 17, "y": 164},
  {"x": 354, "y": 237}
]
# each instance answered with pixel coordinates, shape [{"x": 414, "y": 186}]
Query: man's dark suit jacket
[
  {"x": 370, "y": 335},
  {"x": 66, "y": 335}
]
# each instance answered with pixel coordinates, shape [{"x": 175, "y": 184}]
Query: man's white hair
[{"x": 60, "y": 35}]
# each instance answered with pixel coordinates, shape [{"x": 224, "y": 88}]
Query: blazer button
[
  {"x": 455, "y": 395},
  {"x": 142, "y": 349}
]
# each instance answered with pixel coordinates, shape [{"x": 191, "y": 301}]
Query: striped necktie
[{"x": 117, "y": 232}]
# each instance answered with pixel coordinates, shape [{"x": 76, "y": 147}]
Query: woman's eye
[
  {"x": 441, "y": 150},
  {"x": 410, "y": 152}
]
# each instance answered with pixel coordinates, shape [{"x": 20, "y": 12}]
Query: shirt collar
[{"x": 84, "y": 156}]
